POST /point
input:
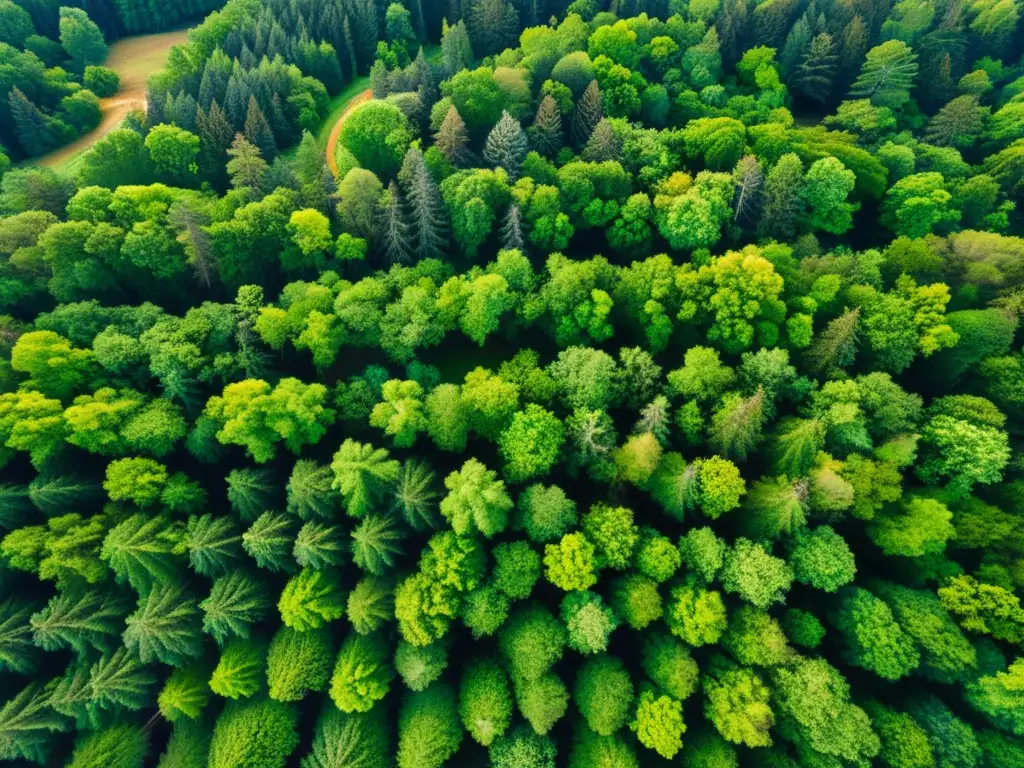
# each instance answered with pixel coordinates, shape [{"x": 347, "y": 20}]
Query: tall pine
[{"x": 426, "y": 209}]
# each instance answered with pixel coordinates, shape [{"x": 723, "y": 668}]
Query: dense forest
[{"x": 642, "y": 389}]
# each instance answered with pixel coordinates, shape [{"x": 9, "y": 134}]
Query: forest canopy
[{"x": 635, "y": 384}]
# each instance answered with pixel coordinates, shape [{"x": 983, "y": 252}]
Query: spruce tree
[
  {"x": 507, "y": 146},
  {"x": 836, "y": 346},
  {"x": 452, "y": 138},
  {"x": 350, "y": 47},
  {"x": 587, "y": 114},
  {"x": 165, "y": 627},
  {"x": 120, "y": 681},
  {"x": 546, "y": 132},
  {"x": 269, "y": 541},
  {"x": 240, "y": 672},
  {"x": 319, "y": 545},
  {"x": 15, "y": 505},
  {"x": 246, "y": 166},
  {"x": 257, "y": 131},
  {"x": 376, "y": 543},
  {"x": 416, "y": 498},
  {"x": 309, "y": 159},
  {"x": 310, "y": 494},
  {"x": 185, "y": 693},
  {"x": 749, "y": 180},
  {"x": 28, "y": 725},
  {"x": 214, "y": 544},
  {"x": 215, "y": 136},
  {"x": 80, "y": 620},
  {"x": 426, "y": 80},
  {"x": 603, "y": 144},
  {"x": 236, "y": 601},
  {"x": 17, "y": 651},
  {"x": 814, "y": 76},
  {"x": 32, "y": 127},
  {"x": 144, "y": 551},
  {"x": 426, "y": 209},
  {"x": 394, "y": 238},
  {"x": 54, "y": 494},
  {"x": 190, "y": 224},
  {"x": 512, "y": 230},
  {"x": 251, "y": 492}
]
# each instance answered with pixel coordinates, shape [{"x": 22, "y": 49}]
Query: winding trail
[
  {"x": 134, "y": 59},
  {"x": 332, "y": 139}
]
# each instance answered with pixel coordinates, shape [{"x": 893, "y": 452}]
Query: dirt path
[
  {"x": 134, "y": 59},
  {"x": 332, "y": 140}
]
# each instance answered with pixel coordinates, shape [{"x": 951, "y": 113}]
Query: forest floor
[{"x": 134, "y": 59}]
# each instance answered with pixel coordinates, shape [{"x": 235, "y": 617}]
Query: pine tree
[
  {"x": 27, "y": 725},
  {"x": 836, "y": 346},
  {"x": 853, "y": 45},
  {"x": 120, "y": 681},
  {"x": 798, "y": 41},
  {"x": 814, "y": 76},
  {"x": 186, "y": 693},
  {"x": 79, "y": 621},
  {"x": 257, "y": 131},
  {"x": 452, "y": 138},
  {"x": 507, "y": 146},
  {"x": 456, "y": 50},
  {"x": 240, "y": 672},
  {"x": 31, "y": 125},
  {"x": 144, "y": 551},
  {"x": 429, "y": 227},
  {"x": 309, "y": 159},
  {"x": 319, "y": 545},
  {"x": 251, "y": 492},
  {"x": 310, "y": 494},
  {"x": 394, "y": 239},
  {"x": 546, "y": 132},
  {"x": 350, "y": 46},
  {"x": 603, "y": 144},
  {"x": 165, "y": 627},
  {"x": 379, "y": 80},
  {"x": 17, "y": 651},
  {"x": 214, "y": 544},
  {"x": 376, "y": 543},
  {"x": 587, "y": 114},
  {"x": 236, "y": 601},
  {"x": 246, "y": 168},
  {"x": 426, "y": 81},
  {"x": 512, "y": 230},
  {"x": 782, "y": 201},
  {"x": 53, "y": 495},
  {"x": 269, "y": 541},
  {"x": 749, "y": 180},
  {"x": 416, "y": 498}
]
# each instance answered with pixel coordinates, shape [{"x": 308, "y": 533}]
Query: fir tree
[
  {"x": 736, "y": 426},
  {"x": 15, "y": 505},
  {"x": 246, "y": 168},
  {"x": 512, "y": 230},
  {"x": 429, "y": 227},
  {"x": 120, "y": 681},
  {"x": 416, "y": 498},
  {"x": 319, "y": 545},
  {"x": 748, "y": 179},
  {"x": 17, "y": 651},
  {"x": 214, "y": 544},
  {"x": 452, "y": 138},
  {"x": 144, "y": 551},
  {"x": 241, "y": 669},
  {"x": 603, "y": 144},
  {"x": 376, "y": 542},
  {"x": 27, "y": 725},
  {"x": 236, "y": 601},
  {"x": 587, "y": 114},
  {"x": 546, "y": 132},
  {"x": 257, "y": 131},
  {"x": 192, "y": 234},
  {"x": 507, "y": 146},
  {"x": 80, "y": 620},
  {"x": 836, "y": 346},
  {"x": 310, "y": 494},
  {"x": 31, "y": 125},
  {"x": 186, "y": 693},
  {"x": 165, "y": 627},
  {"x": 54, "y": 494},
  {"x": 814, "y": 76},
  {"x": 251, "y": 492},
  {"x": 269, "y": 541},
  {"x": 394, "y": 238}
]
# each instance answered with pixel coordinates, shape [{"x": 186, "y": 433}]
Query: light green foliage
[
  {"x": 362, "y": 739},
  {"x": 822, "y": 559},
  {"x": 165, "y": 627},
  {"x": 668, "y": 664},
  {"x": 140, "y": 481},
  {"x": 919, "y": 526},
  {"x": 516, "y": 569},
  {"x": 571, "y": 564},
  {"x": 420, "y": 666},
  {"x": 531, "y": 443},
  {"x": 119, "y": 746},
  {"x": 485, "y": 701},
  {"x": 429, "y": 729},
  {"x": 589, "y": 622},
  {"x": 241, "y": 669},
  {"x": 363, "y": 673},
  {"x": 532, "y": 640},
  {"x": 256, "y": 734},
  {"x": 236, "y": 601},
  {"x": 186, "y": 693},
  {"x": 656, "y": 556},
  {"x": 873, "y": 639},
  {"x": 362, "y": 474},
  {"x": 484, "y": 610},
  {"x": 542, "y": 702},
  {"x": 755, "y": 638},
  {"x": 658, "y": 723},
  {"x": 695, "y": 614},
  {"x": 703, "y": 552},
  {"x": 311, "y": 599},
  {"x": 522, "y": 747},
  {"x": 636, "y": 599},
  {"x": 904, "y": 742},
  {"x": 603, "y": 693},
  {"x": 755, "y": 575},
  {"x": 613, "y": 534},
  {"x": 544, "y": 512},
  {"x": 400, "y": 414},
  {"x": 476, "y": 500},
  {"x": 299, "y": 662}
]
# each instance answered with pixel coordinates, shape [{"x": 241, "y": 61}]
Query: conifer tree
[
  {"x": 319, "y": 545},
  {"x": 27, "y": 725},
  {"x": 603, "y": 144},
  {"x": 836, "y": 346},
  {"x": 17, "y": 651},
  {"x": 251, "y": 492},
  {"x": 71, "y": 695},
  {"x": 814, "y": 75},
  {"x": 452, "y": 138},
  {"x": 310, "y": 494},
  {"x": 736, "y": 426},
  {"x": 587, "y": 114},
  {"x": 512, "y": 230},
  {"x": 507, "y": 146},
  {"x": 236, "y": 601},
  {"x": 246, "y": 166},
  {"x": 749, "y": 180},
  {"x": 79, "y": 621},
  {"x": 311, "y": 599},
  {"x": 144, "y": 551},
  {"x": 54, "y": 494},
  {"x": 426, "y": 209},
  {"x": 415, "y": 495},
  {"x": 269, "y": 541},
  {"x": 120, "y": 681},
  {"x": 887, "y": 75},
  {"x": 214, "y": 544},
  {"x": 546, "y": 132},
  {"x": 363, "y": 474},
  {"x": 165, "y": 627},
  {"x": 257, "y": 131},
  {"x": 185, "y": 693},
  {"x": 782, "y": 202},
  {"x": 32, "y": 126},
  {"x": 240, "y": 671},
  {"x": 376, "y": 543},
  {"x": 15, "y": 505},
  {"x": 370, "y": 604},
  {"x": 394, "y": 238}
]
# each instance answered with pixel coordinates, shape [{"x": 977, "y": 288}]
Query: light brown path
[
  {"x": 134, "y": 59},
  {"x": 332, "y": 140}
]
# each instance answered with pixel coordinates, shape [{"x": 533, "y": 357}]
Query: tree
[
  {"x": 658, "y": 723},
  {"x": 815, "y": 74},
  {"x": 783, "y": 203},
  {"x": 506, "y": 145},
  {"x": 165, "y": 627},
  {"x": 546, "y": 134},
  {"x": 587, "y": 114},
  {"x": 531, "y": 444},
  {"x": 90, "y": 619},
  {"x": 246, "y": 168},
  {"x": 119, "y": 746},
  {"x": 476, "y": 500},
  {"x": 738, "y": 706},
  {"x": 429, "y": 728},
  {"x": 393, "y": 229},
  {"x": 825, "y": 189},
  {"x": 254, "y": 733},
  {"x": 887, "y": 75},
  {"x": 310, "y": 600},
  {"x": 994, "y": 696},
  {"x": 173, "y": 152},
  {"x": 186, "y": 693},
  {"x": 240, "y": 671},
  {"x": 604, "y": 694},
  {"x": 426, "y": 208},
  {"x": 82, "y": 39},
  {"x": 755, "y": 575},
  {"x": 343, "y": 739},
  {"x": 485, "y": 701},
  {"x": 310, "y": 494},
  {"x": 236, "y": 601},
  {"x": 872, "y": 637},
  {"x": 362, "y": 675},
  {"x": 27, "y": 725},
  {"x": 452, "y": 138},
  {"x": 362, "y": 474}
]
